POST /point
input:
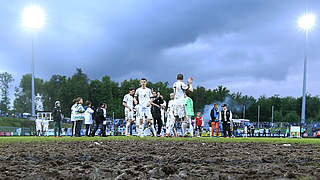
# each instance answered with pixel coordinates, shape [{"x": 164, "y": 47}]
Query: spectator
[
  {"x": 88, "y": 117},
  {"x": 99, "y": 118},
  {"x": 78, "y": 117},
  {"x": 226, "y": 117},
  {"x": 252, "y": 130},
  {"x": 57, "y": 118},
  {"x": 199, "y": 124},
  {"x": 214, "y": 120}
]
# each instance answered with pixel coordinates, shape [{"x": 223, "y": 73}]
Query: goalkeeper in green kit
[{"x": 190, "y": 114}]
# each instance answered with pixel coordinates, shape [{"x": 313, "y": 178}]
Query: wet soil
[{"x": 157, "y": 159}]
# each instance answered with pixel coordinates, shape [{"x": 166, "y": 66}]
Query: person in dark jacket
[
  {"x": 156, "y": 111},
  {"x": 104, "y": 123},
  {"x": 99, "y": 118},
  {"x": 226, "y": 117},
  {"x": 214, "y": 114},
  {"x": 252, "y": 130},
  {"x": 57, "y": 118}
]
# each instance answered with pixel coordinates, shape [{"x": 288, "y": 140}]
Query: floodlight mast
[
  {"x": 33, "y": 17},
  {"x": 306, "y": 23}
]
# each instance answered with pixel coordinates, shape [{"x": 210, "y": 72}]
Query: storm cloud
[{"x": 253, "y": 46}]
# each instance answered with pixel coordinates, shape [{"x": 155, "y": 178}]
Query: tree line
[{"x": 65, "y": 89}]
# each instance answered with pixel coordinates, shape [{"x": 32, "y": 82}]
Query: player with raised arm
[
  {"x": 179, "y": 88},
  {"x": 142, "y": 98}
]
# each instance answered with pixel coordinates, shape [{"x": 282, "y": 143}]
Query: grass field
[{"x": 28, "y": 139}]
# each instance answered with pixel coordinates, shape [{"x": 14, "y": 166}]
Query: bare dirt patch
[{"x": 157, "y": 159}]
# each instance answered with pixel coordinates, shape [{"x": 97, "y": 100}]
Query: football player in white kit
[
  {"x": 128, "y": 110},
  {"x": 179, "y": 88},
  {"x": 45, "y": 126},
  {"x": 142, "y": 98},
  {"x": 170, "y": 129},
  {"x": 163, "y": 114},
  {"x": 39, "y": 125}
]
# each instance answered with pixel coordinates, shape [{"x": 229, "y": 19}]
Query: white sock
[
  {"x": 127, "y": 128},
  {"x": 142, "y": 129},
  {"x": 191, "y": 129},
  {"x": 184, "y": 128},
  {"x": 152, "y": 128}
]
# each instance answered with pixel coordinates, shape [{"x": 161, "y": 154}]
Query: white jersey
[
  {"x": 88, "y": 116},
  {"x": 163, "y": 110},
  {"x": 39, "y": 124},
  {"x": 128, "y": 99},
  {"x": 179, "y": 88},
  {"x": 144, "y": 96},
  {"x": 171, "y": 106},
  {"x": 73, "y": 108},
  {"x": 45, "y": 125}
]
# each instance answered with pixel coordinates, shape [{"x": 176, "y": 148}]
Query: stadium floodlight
[
  {"x": 306, "y": 22},
  {"x": 33, "y": 17}
]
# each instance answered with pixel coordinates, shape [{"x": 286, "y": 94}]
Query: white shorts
[
  {"x": 45, "y": 125},
  {"x": 128, "y": 114},
  {"x": 38, "y": 125},
  {"x": 180, "y": 110},
  {"x": 170, "y": 116},
  {"x": 144, "y": 112}
]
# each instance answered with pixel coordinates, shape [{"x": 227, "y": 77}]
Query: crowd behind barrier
[{"x": 15, "y": 131}]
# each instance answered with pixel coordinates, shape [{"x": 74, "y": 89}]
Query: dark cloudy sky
[{"x": 252, "y": 46}]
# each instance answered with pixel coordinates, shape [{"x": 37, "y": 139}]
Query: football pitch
[{"x": 119, "y": 157}]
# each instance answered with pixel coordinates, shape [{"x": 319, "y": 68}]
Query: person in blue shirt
[{"x": 214, "y": 123}]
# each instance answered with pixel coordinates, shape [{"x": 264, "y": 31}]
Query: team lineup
[{"x": 148, "y": 111}]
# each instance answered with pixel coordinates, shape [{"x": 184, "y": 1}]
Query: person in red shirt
[{"x": 198, "y": 123}]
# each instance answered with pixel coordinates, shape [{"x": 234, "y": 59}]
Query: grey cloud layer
[{"x": 255, "y": 39}]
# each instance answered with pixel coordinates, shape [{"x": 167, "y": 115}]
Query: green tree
[
  {"x": 221, "y": 93},
  {"x": 277, "y": 116},
  {"x": 95, "y": 92},
  {"x": 52, "y": 91},
  {"x": 79, "y": 84},
  {"x": 22, "y": 102},
  {"x": 291, "y": 117},
  {"x": 5, "y": 80},
  {"x": 111, "y": 96},
  {"x": 111, "y": 92}
]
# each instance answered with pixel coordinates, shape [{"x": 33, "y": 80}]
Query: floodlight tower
[
  {"x": 33, "y": 18},
  {"x": 306, "y": 23}
]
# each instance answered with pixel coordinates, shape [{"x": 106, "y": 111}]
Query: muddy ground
[{"x": 154, "y": 159}]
